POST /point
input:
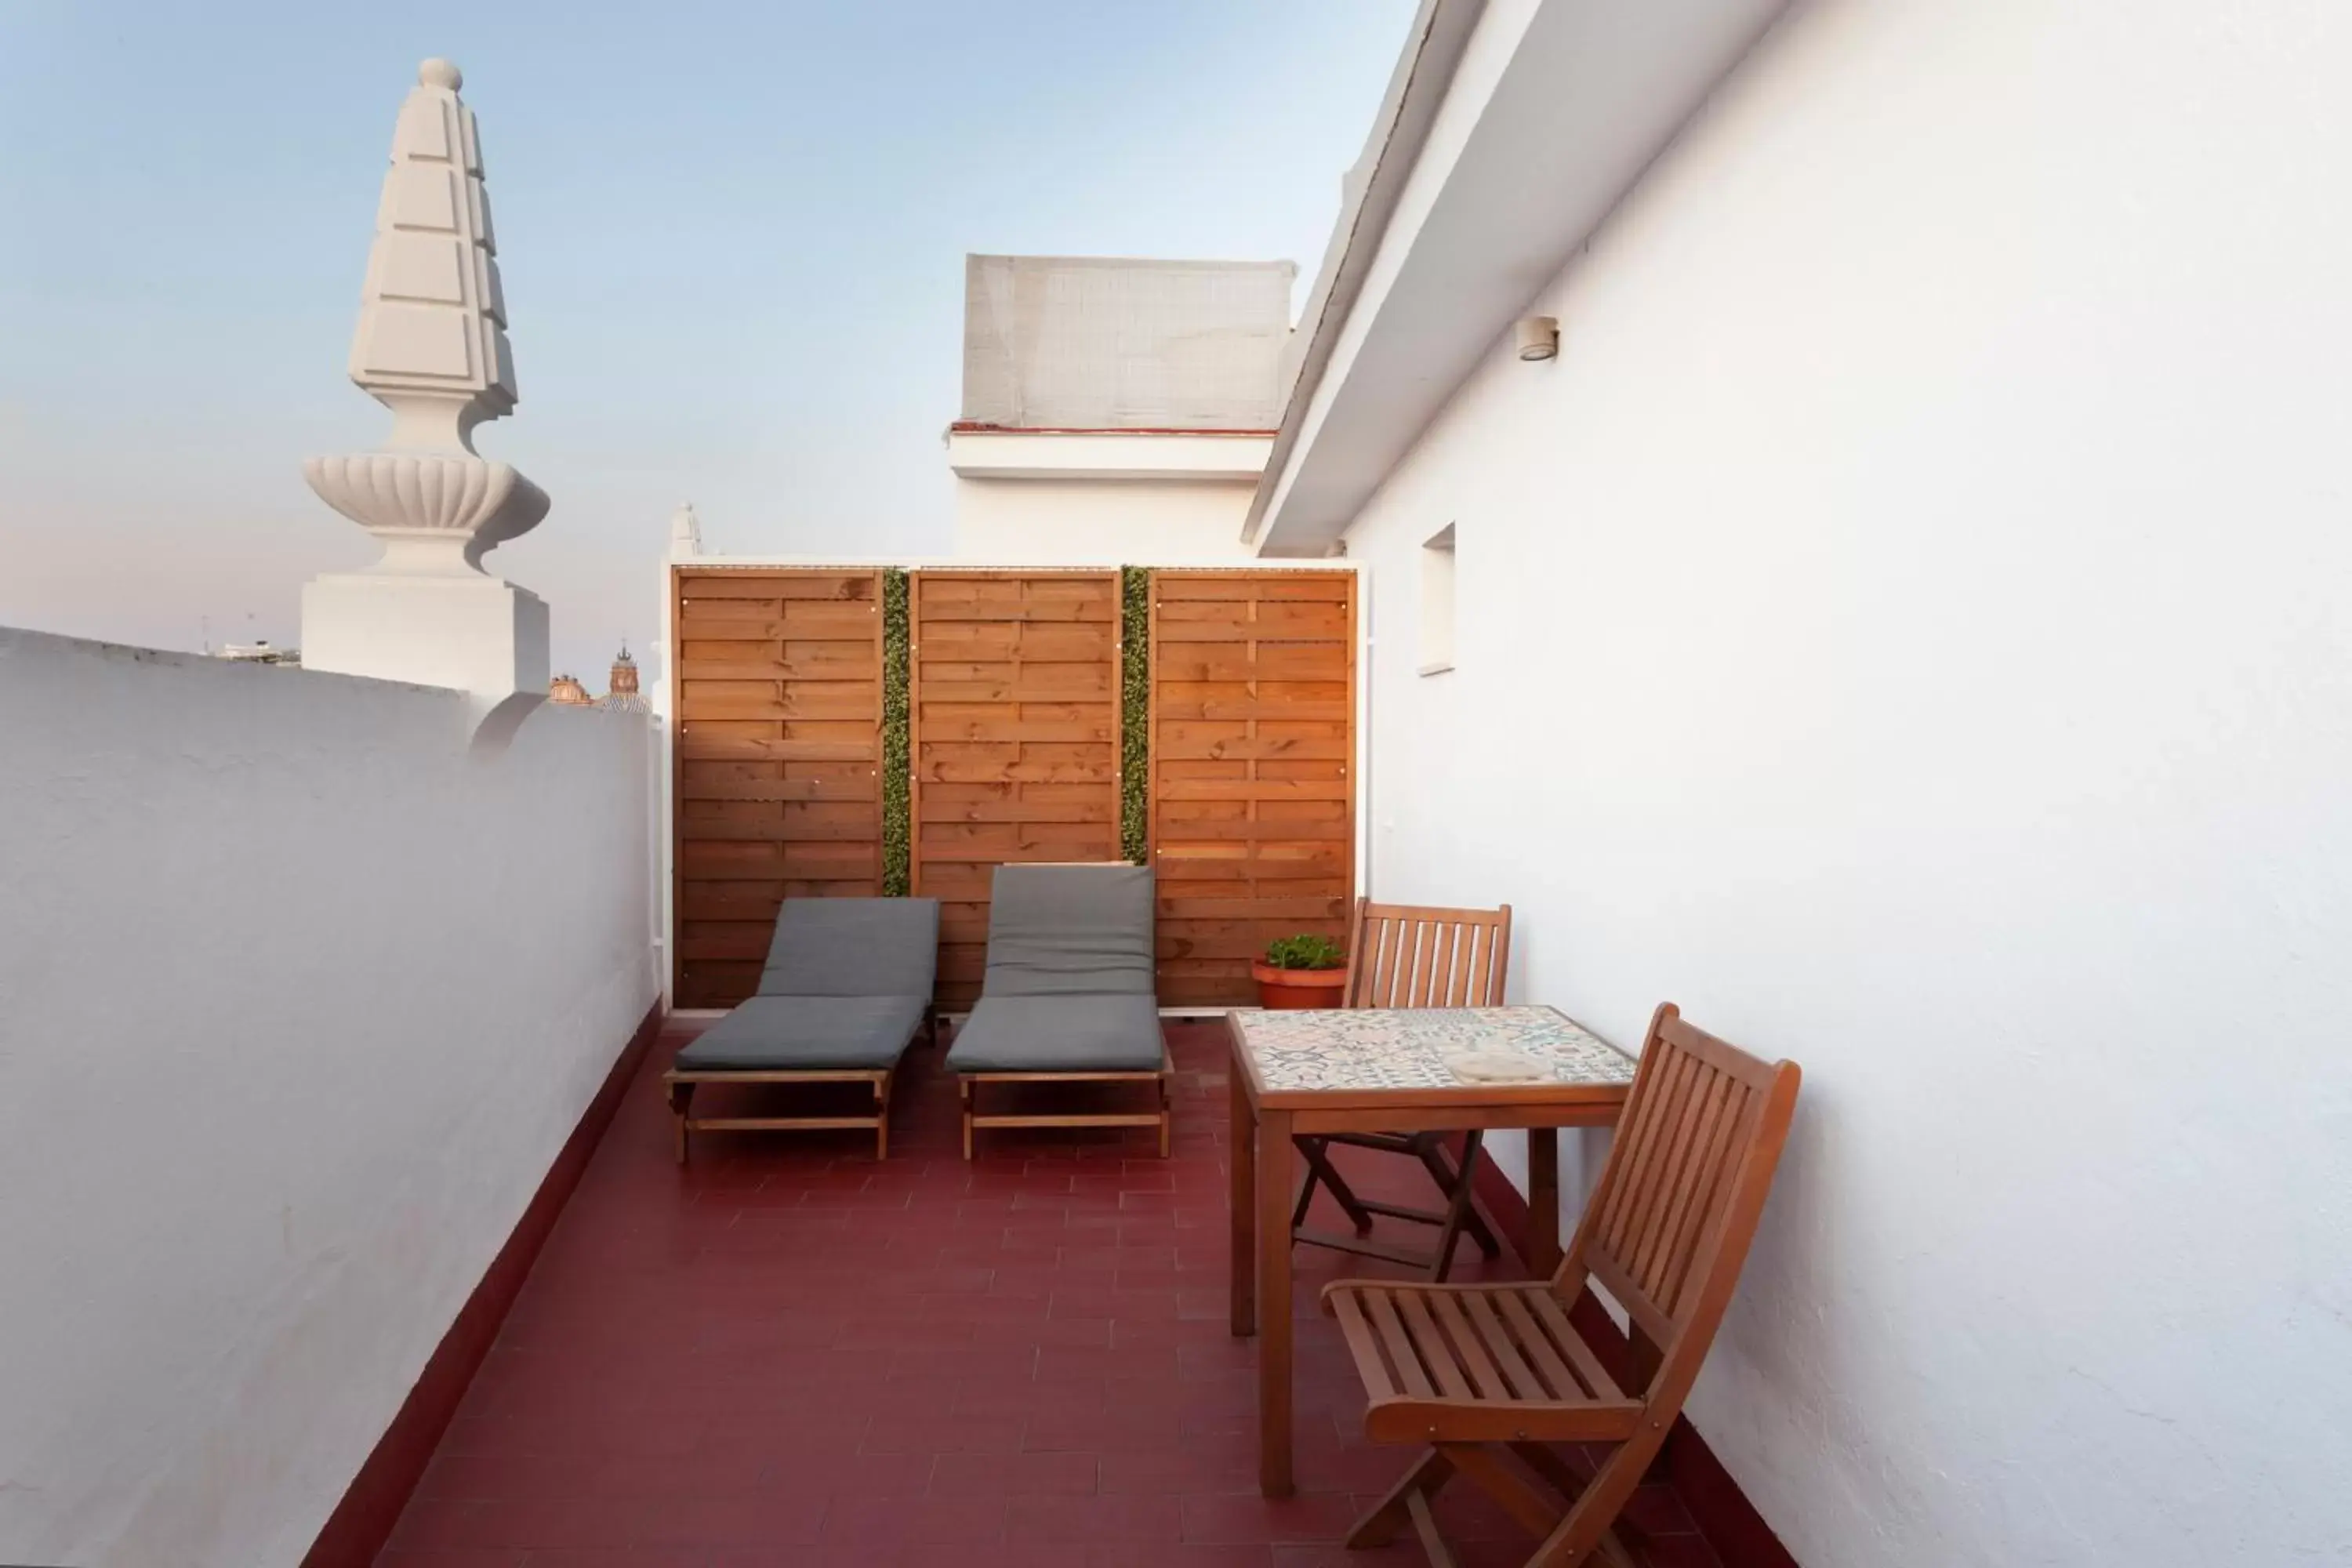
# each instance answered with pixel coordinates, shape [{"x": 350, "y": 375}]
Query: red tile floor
[{"x": 786, "y": 1353}]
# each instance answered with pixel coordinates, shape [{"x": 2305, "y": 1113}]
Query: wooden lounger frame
[
  {"x": 973, "y": 1117},
  {"x": 681, "y": 1096}
]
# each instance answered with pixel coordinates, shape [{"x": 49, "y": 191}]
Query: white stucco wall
[
  {"x": 1911, "y": 627},
  {"x": 298, "y": 1005},
  {"x": 1101, "y": 523}
]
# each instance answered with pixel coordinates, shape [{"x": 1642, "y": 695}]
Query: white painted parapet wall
[
  {"x": 432, "y": 347},
  {"x": 299, "y": 1003}
]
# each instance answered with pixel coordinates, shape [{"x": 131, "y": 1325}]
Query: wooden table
[{"x": 1372, "y": 1069}]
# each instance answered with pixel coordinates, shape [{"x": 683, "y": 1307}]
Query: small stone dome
[{"x": 622, "y": 696}]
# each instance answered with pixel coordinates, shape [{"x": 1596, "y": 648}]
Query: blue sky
[{"x": 732, "y": 238}]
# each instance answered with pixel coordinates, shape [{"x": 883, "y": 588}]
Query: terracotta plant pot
[{"x": 1287, "y": 988}]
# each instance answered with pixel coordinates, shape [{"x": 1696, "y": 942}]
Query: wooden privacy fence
[
  {"x": 1015, "y": 713},
  {"x": 1014, "y": 709},
  {"x": 1253, "y": 769},
  {"x": 777, "y": 763}
]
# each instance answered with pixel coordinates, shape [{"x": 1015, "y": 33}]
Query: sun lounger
[
  {"x": 1068, "y": 996},
  {"x": 847, "y": 987}
]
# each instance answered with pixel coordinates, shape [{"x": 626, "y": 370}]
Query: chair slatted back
[
  {"x": 1406, "y": 955},
  {"x": 1677, "y": 1204}
]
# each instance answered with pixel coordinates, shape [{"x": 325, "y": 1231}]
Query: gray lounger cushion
[
  {"x": 1070, "y": 931},
  {"x": 807, "y": 1034},
  {"x": 1059, "y": 1033},
  {"x": 853, "y": 947}
]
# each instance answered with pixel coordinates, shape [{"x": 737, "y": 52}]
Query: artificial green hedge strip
[
  {"x": 1135, "y": 713},
  {"x": 1134, "y": 722},
  {"x": 896, "y": 674}
]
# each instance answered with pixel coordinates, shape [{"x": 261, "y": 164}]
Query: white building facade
[
  {"x": 1906, "y": 625},
  {"x": 1114, "y": 412}
]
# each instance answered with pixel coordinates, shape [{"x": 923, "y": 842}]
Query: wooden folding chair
[
  {"x": 1487, "y": 1374},
  {"x": 1402, "y": 956}
]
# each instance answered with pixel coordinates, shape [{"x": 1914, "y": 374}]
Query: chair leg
[
  {"x": 1167, "y": 1116},
  {"x": 1519, "y": 1497},
  {"x": 1392, "y": 1513},
  {"x": 1457, "y": 1206},
  {"x": 1525, "y": 1502},
  {"x": 1554, "y": 1470},
  {"x": 965, "y": 1085},
  {"x": 882, "y": 1117},
  {"x": 1466, "y": 1174},
  {"x": 1310, "y": 1150},
  {"x": 1457, "y": 1184},
  {"x": 1613, "y": 1553},
  {"x": 1584, "y": 1532},
  {"x": 1316, "y": 1152},
  {"x": 1424, "y": 1524}
]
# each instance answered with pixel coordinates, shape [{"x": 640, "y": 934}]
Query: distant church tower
[{"x": 622, "y": 697}]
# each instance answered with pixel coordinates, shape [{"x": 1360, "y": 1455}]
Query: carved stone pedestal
[{"x": 474, "y": 632}]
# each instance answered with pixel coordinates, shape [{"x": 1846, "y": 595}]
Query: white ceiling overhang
[{"x": 1521, "y": 165}]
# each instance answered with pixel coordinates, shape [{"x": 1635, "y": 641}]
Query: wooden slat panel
[
  {"x": 1289, "y": 911},
  {"x": 1335, "y": 586},
  {"x": 767, "y": 667},
  {"x": 1524, "y": 1383},
  {"x": 1015, "y": 703},
  {"x": 1570, "y": 1345},
  {"x": 1684, "y": 1156},
  {"x": 1361, "y": 1344},
  {"x": 1253, "y": 769},
  {"x": 1623, "y": 1179},
  {"x": 778, "y": 698},
  {"x": 1729, "y": 1119},
  {"x": 1468, "y": 1348},
  {"x": 1436, "y": 1354},
  {"x": 1382, "y": 1308},
  {"x": 756, "y": 748},
  {"x": 1540, "y": 1349},
  {"x": 705, "y": 860},
  {"x": 763, "y": 789},
  {"x": 1286, "y": 621},
  {"x": 1404, "y": 955},
  {"x": 765, "y": 583},
  {"x": 1681, "y": 1196}
]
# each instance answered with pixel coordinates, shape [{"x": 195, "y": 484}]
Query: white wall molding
[{"x": 1203, "y": 457}]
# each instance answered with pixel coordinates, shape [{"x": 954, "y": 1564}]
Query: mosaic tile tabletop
[{"x": 1374, "y": 1048}]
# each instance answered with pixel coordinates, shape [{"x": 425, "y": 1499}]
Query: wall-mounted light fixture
[{"x": 1538, "y": 337}]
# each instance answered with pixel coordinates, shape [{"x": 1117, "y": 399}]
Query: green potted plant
[{"x": 1302, "y": 971}]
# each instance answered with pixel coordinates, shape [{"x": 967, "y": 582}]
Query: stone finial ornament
[
  {"x": 432, "y": 347},
  {"x": 685, "y": 534}
]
